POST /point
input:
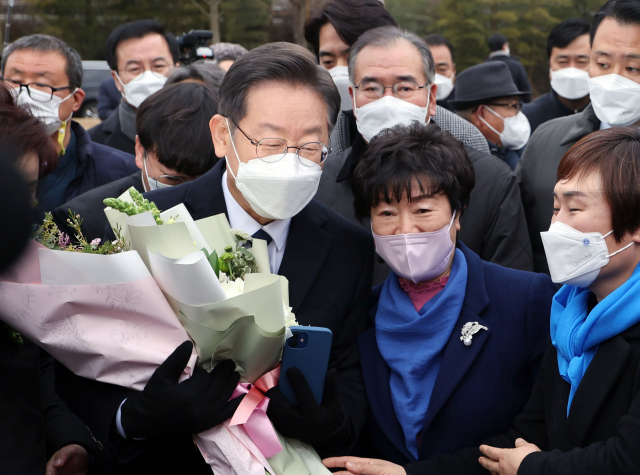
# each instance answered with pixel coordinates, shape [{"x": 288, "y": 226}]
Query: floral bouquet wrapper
[{"x": 102, "y": 316}]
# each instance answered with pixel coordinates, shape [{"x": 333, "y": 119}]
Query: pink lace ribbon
[{"x": 252, "y": 412}]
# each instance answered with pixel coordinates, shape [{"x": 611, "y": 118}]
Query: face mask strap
[
  {"x": 144, "y": 165},
  {"x": 488, "y": 124},
  {"x": 234, "y": 149}
]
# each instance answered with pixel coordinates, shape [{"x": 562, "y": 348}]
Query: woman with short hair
[
  {"x": 456, "y": 342},
  {"x": 583, "y": 416}
]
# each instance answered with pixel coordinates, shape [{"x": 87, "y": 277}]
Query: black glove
[
  {"x": 166, "y": 408},
  {"x": 321, "y": 424}
]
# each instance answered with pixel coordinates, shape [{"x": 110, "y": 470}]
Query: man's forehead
[
  {"x": 42, "y": 63},
  {"x": 615, "y": 38},
  {"x": 398, "y": 60},
  {"x": 140, "y": 48}
]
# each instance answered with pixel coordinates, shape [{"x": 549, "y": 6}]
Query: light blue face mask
[{"x": 154, "y": 184}]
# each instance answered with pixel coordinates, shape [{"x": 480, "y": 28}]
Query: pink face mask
[{"x": 417, "y": 256}]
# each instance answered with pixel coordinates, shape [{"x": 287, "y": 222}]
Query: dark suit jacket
[
  {"x": 545, "y": 108},
  {"x": 109, "y": 133},
  {"x": 601, "y": 436},
  {"x": 493, "y": 226},
  {"x": 479, "y": 389},
  {"x": 97, "y": 164},
  {"x": 34, "y": 423},
  {"x": 328, "y": 262},
  {"x": 90, "y": 206},
  {"x": 518, "y": 73},
  {"x": 537, "y": 169}
]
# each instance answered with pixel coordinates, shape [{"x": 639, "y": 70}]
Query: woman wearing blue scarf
[
  {"x": 584, "y": 413},
  {"x": 456, "y": 343}
]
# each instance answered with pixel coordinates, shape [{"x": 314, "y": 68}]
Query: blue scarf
[
  {"x": 412, "y": 344},
  {"x": 576, "y": 333}
]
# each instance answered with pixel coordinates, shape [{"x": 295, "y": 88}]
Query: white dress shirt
[{"x": 239, "y": 219}]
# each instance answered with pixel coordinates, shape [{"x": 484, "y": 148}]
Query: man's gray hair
[
  {"x": 47, "y": 44},
  {"x": 386, "y": 37},
  {"x": 208, "y": 72}
]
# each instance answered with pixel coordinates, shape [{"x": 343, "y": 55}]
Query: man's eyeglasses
[
  {"x": 404, "y": 90},
  {"x": 517, "y": 107},
  {"x": 134, "y": 70},
  {"x": 275, "y": 149},
  {"x": 35, "y": 86},
  {"x": 171, "y": 179}
]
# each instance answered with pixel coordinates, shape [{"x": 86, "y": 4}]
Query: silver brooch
[{"x": 468, "y": 330}]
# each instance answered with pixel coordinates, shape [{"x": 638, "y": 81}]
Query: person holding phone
[{"x": 456, "y": 342}]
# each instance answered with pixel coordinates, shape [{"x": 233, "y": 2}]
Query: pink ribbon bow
[{"x": 252, "y": 412}]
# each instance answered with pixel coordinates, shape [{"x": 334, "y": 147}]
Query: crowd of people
[{"x": 474, "y": 250}]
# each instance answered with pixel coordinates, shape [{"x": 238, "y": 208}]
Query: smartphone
[{"x": 308, "y": 350}]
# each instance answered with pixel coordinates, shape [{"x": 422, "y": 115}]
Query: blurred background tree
[{"x": 85, "y": 24}]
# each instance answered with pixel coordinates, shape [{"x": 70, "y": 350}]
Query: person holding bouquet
[
  {"x": 583, "y": 416},
  {"x": 277, "y": 94}
]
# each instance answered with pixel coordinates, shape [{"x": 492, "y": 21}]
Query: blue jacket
[
  {"x": 97, "y": 164},
  {"x": 480, "y": 388}
]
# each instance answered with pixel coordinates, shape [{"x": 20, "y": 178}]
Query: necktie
[{"x": 262, "y": 234}]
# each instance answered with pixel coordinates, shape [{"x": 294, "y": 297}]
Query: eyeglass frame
[
  {"x": 517, "y": 106},
  {"x": 21, "y": 85},
  {"x": 287, "y": 147},
  {"x": 171, "y": 177},
  {"x": 393, "y": 88},
  {"x": 131, "y": 78}
]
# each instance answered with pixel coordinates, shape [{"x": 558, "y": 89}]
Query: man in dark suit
[
  {"x": 141, "y": 56},
  {"x": 569, "y": 52},
  {"x": 173, "y": 146},
  {"x": 499, "y": 47},
  {"x": 277, "y": 95}
]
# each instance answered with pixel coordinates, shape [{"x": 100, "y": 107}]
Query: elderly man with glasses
[
  {"x": 488, "y": 98},
  {"x": 393, "y": 74},
  {"x": 45, "y": 75}
]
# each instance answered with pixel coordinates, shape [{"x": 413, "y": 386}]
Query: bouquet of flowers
[{"x": 116, "y": 316}]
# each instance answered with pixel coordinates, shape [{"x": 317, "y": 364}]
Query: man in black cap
[{"x": 487, "y": 97}]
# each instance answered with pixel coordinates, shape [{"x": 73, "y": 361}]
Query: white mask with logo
[
  {"x": 47, "y": 112},
  {"x": 387, "y": 112},
  {"x": 340, "y": 76},
  {"x": 276, "y": 188},
  {"x": 141, "y": 87},
  {"x": 615, "y": 99},
  {"x": 445, "y": 86},
  {"x": 575, "y": 258},
  {"x": 570, "y": 83},
  {"x": 516, "y": 132}
]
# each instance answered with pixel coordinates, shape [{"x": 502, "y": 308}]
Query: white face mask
[
  {"x": 387, "y": 112},
  {"x": 575, "y": 258},
  {"x": 276, "y": 189},
  {"x": 153, "y": 183},
  {"x": 141, "y": 87},
  {"x": 516, "y": 132},
  {"x": 340, "y": 76},
  {"x": 47, "y": 112},
  {"x": 615, "y": 99},
  {"x": 445, "y": 86},
  {"x": 570, "y": 83}
]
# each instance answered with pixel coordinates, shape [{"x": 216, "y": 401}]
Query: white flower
[
  {"x": 289, "y": 316},
  {"x": 223, "y": 278},
  {"x": 233, "y": 288},
  {"x": 241, "y": 236}
]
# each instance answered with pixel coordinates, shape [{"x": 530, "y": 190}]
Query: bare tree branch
[{"x": 202, "y": 10}]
